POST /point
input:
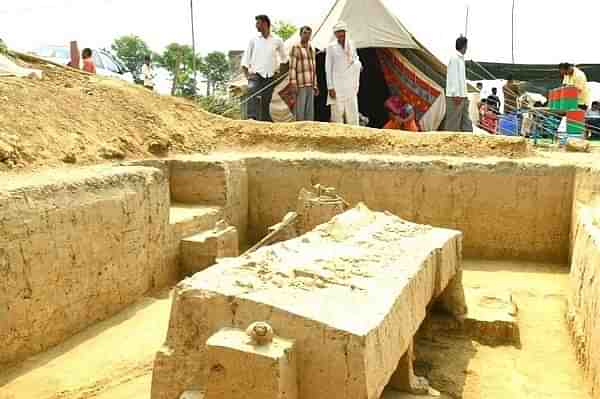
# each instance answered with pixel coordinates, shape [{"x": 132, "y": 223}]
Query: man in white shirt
[
  {"x": 148, "y": 73},
  {"x": 343, "y": 67},
  {"x": 457, "y": 101},
  {"x": 260, "y": 65}
]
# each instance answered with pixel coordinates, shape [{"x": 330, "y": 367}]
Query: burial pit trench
[{"x": 80, "y": 247}]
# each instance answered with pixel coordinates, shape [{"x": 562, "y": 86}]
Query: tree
[
  {"x": 284, "y": 29},
  {"x": 132, "y": 50},
  {"x": 178, "y": 59},
  {"x": 216, "y": 69}
]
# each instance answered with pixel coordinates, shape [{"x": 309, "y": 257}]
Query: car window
[
  {"x": 120, "y": 64},
  {"x": 97, "y": 60},
  {"x": 109, "y": 64}
]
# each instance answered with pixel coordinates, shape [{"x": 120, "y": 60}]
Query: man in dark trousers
[
  {"x": 457, "y": 101},
  {"x": 260, "y": 65},
  {"x": 303, "y": 76},
  {"x": 493, "y": 101}
]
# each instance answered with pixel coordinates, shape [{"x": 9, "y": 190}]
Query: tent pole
[
  {"x": 513, "y": 32},
  {"x": 193, "y": 44},
  {"x": 467, "y": 23}
]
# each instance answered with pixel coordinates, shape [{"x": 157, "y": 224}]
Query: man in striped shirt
[{"x": 303, "y": 76}]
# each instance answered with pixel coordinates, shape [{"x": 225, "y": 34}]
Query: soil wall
[
  {"x": 506, "y": 209},
  {"x": 75, "y": 249},
  {"x": 217, "y": 182},
  {"x": 584, "y": 300}
]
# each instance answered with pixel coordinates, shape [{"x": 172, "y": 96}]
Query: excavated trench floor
[{"x": 113, "y": 359}]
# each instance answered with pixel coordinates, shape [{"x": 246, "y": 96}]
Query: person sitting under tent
[
  {"x": 402, "y": 117},
  {"x": 488, "y": 120},
  {"x": 573, "y": 76},
  {"x": 343, "y": 67}
]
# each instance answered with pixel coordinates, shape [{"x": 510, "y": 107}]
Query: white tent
[{"x": 370, "y": 24}]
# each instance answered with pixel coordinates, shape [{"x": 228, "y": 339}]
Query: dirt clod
[
  {"x": 159, "y": 148},
  {"x": 70, "y": 158},
  {"x": 577, "y": 145},
  {"x": 6, "y": 151},
  {"x": 107, "y": 152}
]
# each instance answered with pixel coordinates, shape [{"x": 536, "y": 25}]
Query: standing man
[
  {"x": 573, "y": 76},
  {"x": 512, "y": 92},
  {"x": 148, "y": 73},
  {"x": 457, "y": 102},
  {"x": 343, "y": 68},
  {"x": 260, "y": 65},
  {"x": 303, "y": 76},
  {"x": 494, "y": 101}
]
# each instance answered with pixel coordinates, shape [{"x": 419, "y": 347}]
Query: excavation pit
[
  {"x": 352, "y": 294},
  {"x": 77, "y": 249}
]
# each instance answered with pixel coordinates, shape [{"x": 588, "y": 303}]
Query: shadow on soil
[
  {"x": 431, "y": 353},
  {"x": 13, "y": 372},
  {"x": 477, "y": 265}
]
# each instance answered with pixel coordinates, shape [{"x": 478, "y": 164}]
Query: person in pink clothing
[{"x": 88, "y": 61}]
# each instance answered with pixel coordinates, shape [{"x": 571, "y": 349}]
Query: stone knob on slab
[{"x": 260, "y": 332}]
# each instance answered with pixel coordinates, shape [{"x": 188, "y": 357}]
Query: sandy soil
[
  {"x": 544, "y": 367},
  {"x": 73, "y": 118},
  {"x": 113, "y": 359}
]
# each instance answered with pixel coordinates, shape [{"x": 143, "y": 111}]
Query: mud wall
[
  {"x": 76, "y": 248},
  {"x": 584, "y": 300},
  {"x": 218, "y": 182},
  {"x": 505, "y": 209}
]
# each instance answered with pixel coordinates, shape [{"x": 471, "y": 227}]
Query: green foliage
[
  {"x": 284, "y": 29},
  {"x": 216, "y": 69},
  {"x": 3, "y": 47},
  {"x": 221, "y": 106},
  {"x": 132, "y": 50},
  {"x": 156, "y": 58},
  {"x": 178, "y": 59}
]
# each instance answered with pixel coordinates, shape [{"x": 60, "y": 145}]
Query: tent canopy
[
  {"x": 370, "y": 24},
  {"x": 524, "y": 72},
  {"x": 536, "y": 78}
]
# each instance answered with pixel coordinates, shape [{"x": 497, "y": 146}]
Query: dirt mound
[{"x": 74, "y": 118}]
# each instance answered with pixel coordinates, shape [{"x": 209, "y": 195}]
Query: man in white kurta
[{"x": 343, "y": 67}]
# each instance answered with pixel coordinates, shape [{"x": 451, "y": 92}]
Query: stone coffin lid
[{"x": 346, "y": 274}]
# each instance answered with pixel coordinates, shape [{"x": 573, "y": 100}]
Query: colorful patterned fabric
[{"x": 403, "y": 81}]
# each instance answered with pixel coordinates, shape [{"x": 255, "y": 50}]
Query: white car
[{"x": 106, "y": 63}]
